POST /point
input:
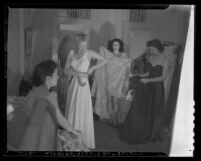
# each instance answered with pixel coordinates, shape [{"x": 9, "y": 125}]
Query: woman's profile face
[
  {"x": 54, "y": 78},
  {"x": 153, "y": 50},
  {"x": 116, "y": 46},
  {"x": 82, "y": 46}
]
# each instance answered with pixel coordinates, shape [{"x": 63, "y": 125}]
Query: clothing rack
[
  {"x": 167, "y": 43},
  {"x": 177, "y": 50}
]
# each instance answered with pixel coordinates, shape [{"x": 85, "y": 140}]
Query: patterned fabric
[
  {"x": 68, "y": 142},
  {"x": 98, "y": 91},
  {"x": 111, "y": 79},
  {"x": 117, "y": 71},
  {"x": 62, "y": 85}
]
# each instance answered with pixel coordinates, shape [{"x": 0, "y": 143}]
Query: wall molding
[{"x": 21, "y": 41}]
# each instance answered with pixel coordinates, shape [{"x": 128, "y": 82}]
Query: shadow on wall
[
  {"x": 13, "y": 81},
  {"x": 27, "y": 74},
  {"x": 107, "y": 32},
  {"x": 42, "y": 35},
  {"x": 42, "y": 48}
]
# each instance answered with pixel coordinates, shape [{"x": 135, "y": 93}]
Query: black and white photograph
[{"x": 100, "y": 80}]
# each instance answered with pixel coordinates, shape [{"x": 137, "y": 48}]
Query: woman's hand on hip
[
  {"x": 84, "y": 75},
  {"x": 133, "y": 75},
  {"x": 90, "y": 71},
  {"x": 103, "y": 49},
  {"x": 144, "y": 80}
]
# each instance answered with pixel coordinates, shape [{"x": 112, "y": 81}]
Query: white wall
[
  {"x": 164, "y": 24},
  {"x": 14, "y": 73},
  {"x": 42, "y": 24},
  {"x": 170, "y": 24},
  {"x": 104, "y": 25}
]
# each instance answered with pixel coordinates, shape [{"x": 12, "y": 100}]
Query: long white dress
[{"x": 79, "y": 104}]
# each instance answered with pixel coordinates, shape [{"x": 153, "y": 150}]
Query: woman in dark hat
[{"x": 144, "y": 119}]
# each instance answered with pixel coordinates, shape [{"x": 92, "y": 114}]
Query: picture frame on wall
[
  {"x": 28, "y": 41},
  {"x": 138, "y": 15},
  {"x": 79, "y": 13}
]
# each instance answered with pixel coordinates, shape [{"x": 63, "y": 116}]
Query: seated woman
[
  {"x": 143, "y": 122},
  {"x": 42, "y": 115}
]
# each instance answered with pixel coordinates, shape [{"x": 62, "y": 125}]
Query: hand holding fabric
[
  {"x": 144, "y": 80},
  {"x": 90, "y": 71}
]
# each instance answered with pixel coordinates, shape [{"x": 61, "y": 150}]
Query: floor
[{"x": 106, "y": 139}]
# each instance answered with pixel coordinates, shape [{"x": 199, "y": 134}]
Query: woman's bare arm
[
  {"x": 60, "y": 118},
  {"x": 143, "y": 75},
  {"x": 164, "y": 73},
  {"x": 95, "y": 55}
]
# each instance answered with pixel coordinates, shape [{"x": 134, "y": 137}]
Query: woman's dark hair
[
  {"x": 62, "y": 55},
  {"x": 155, "y": 43},
  {"x": 25, "y": 87},
  {"x": 110, "y": 45},
  {"x": 42, "y": 70}
]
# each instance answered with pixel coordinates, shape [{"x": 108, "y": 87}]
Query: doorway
[
  {"x": 65, "y": 30},
  {"x": 135, "y": 37}
]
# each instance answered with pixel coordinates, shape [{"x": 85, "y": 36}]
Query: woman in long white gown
[{"x": 78, "y": 109}]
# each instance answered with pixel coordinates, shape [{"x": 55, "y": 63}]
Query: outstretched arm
[
  {"x": 59, "y": 117},
  {"x": 95, "y": 55},
  {"x": 161, "y": 78},
  {"x": 141, "y": 75}
]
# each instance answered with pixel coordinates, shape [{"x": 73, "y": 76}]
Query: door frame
[
  {"x": 129, "y": 28},
  {"x": 70, "y": 24}
]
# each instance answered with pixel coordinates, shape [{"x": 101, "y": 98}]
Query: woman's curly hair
[
  {"x": 42, "y": 70},
  {"x": 155, "y": 43},
  {"x": 110, "y": 45}
]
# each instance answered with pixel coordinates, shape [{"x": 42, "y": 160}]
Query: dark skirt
[{"x": 143, "y": 121}]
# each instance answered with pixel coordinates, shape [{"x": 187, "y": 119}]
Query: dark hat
[{"x": 155, "y": 43}]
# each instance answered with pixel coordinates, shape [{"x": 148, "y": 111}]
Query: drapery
[
  {"x": 112, "y": 79},
  {"x": 171, "y": 57}
]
